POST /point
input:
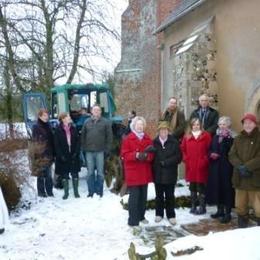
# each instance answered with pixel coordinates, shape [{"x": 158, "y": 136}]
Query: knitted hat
[
  {"x": 163, "y": 124},
  {"x": 249, "y": 116}
]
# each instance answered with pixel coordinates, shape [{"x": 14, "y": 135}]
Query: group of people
[
  {"x": 222, "y": 169},
  {"x": 63, "y": 147}
]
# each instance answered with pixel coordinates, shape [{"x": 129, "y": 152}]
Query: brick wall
[{"x": 138, "y": 73}]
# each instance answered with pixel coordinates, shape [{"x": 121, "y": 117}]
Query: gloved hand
[
  {"x": 214, "y": 156},
  {"x": 150, "y": 149},
  {"x": 162, "y": 163},
  {"x": 141, "y": 156},
  {"x": 244, "y": 172}
]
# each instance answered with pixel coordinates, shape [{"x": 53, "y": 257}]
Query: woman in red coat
[
  {"x": 138, "y": 169},
  {"x": 195, "y": 147}
]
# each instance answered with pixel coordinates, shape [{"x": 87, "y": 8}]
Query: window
[
  {"x": 103, "y": 102},
  {"x": 34, "y": 104},
  {"x": 61, "y": 103}
]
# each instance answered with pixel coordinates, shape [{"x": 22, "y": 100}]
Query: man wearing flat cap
[{"x": 245, "y": 157}]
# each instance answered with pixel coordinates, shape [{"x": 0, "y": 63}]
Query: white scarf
[
  {"x": 196, "y": 134},
  {"x": 163, "y": 141},
  {"x": 140, "y": 136}
]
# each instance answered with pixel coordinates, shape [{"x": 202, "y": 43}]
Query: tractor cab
[{"x": 75, "y": 99}]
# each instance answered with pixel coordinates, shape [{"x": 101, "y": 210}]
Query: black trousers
[
  {"x": 136, "y": 204},
  {"x": 165, "y": 199}
]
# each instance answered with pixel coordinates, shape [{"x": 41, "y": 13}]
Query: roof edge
[{"x": 166, "y": 23}]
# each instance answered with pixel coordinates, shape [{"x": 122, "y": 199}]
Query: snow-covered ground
[{"x": 96, "y": 228}]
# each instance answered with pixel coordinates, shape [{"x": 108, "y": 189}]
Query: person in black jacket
[
  {"x": 165, "y": 169},
  {"x": 43, "y": 154},
  {"x": 219, "y": 187},
  {"x": 67, "y": 147},
  {"x": 207, "y": 115}
]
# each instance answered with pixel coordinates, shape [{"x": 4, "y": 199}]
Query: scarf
[
  {"x": 196, "y": 134},
  {"x": 140, "y": 136},
  {"x": 68, "y": 134},
  {"x": 223, "y": 133},
  {"x": 163, "y": 141},
  {"x": 171, "y": 116}
]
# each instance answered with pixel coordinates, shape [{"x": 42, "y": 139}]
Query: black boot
[
  {"x": 75, "y": 183},
  {"x": 258, "y": 221},
  {"x": 202, "y": 205},
  {"x": 65, "y": 183},
  {"x": 227, "y": 216},
  {"x": 2, "y": 230},
  {"x": 193, "y": 197},
  {"x": 242, "y": 221},
  {"x": 219, "y": 213}
]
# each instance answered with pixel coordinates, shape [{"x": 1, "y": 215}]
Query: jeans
[
  {"x": 44, "y": 183},
  {"x": 95, "y": 176}
]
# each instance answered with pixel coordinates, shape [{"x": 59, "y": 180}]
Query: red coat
[
  {"x": 195, "y": 157},
  {"x": 136, "y": 172}
]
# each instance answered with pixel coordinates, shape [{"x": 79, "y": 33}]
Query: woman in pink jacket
[
  {"x": 138, "y": 169},
  {"x": 195, "y": 147}
]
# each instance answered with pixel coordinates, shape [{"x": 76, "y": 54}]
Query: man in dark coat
[
  {"x": 175, "y": 118},
  {"x": 245, "y": 157},
  {"x": 67, "y": 147},
  {"x": 43, "y": 150},
  {"x": 96, "y": 140},
  {"x": 165, "y": 170},
  {"x": 207, "y": 115}
]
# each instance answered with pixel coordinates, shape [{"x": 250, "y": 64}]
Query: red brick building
[
  {"x": 138, "y": 81},
  {"x": 184, "y": 48}
]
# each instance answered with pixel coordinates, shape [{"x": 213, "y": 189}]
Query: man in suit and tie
[{"x": 207, "y": 115}]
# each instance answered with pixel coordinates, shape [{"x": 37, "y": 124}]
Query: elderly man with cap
[
  {"x": 245, "y": 157},
  {"x": 165, "y": 170}
]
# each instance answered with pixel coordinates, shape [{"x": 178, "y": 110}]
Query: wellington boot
[
  {"x": 242, "y": 221},
  {"x": 65, "y": 183},
  {"x": 202, "y": 205},
  {"x": 227, "y": 215},
  {"x": 75, "y": 183},
  {"x": 193, "y": 197},
  {"x": 219, "y": 213}
]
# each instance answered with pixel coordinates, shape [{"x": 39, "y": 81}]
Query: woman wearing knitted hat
[
  {"x": 245, "y": 157},
  {"x": 165, "y": 170}
]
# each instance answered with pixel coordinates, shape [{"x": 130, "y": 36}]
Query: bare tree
[{"x": 43, "y": 41}]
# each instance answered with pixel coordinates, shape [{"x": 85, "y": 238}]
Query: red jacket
[
  {"x": 195, "y": 157},
  {"x": 136, "y": 172}
]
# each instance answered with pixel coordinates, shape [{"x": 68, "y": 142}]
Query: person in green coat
[{"x": 245, "y": 157}]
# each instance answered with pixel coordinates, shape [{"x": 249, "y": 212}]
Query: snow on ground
[{"x": 96, "y": 228}]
